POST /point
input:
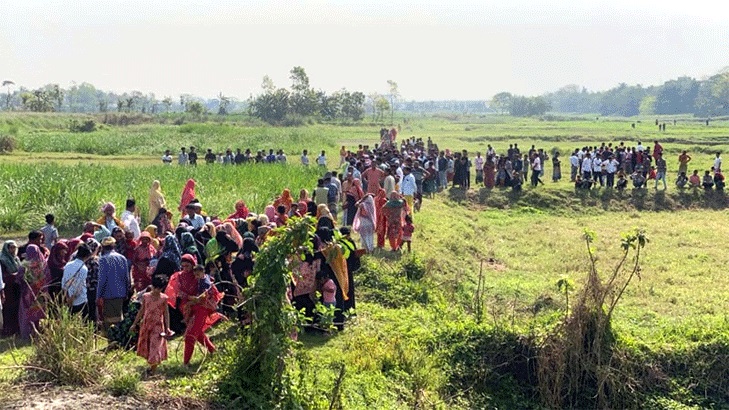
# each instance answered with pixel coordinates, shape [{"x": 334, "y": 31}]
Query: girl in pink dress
[{"x": 155, "y": 328}]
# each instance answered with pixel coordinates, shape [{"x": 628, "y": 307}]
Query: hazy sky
[{"x": 432, "y": 49}]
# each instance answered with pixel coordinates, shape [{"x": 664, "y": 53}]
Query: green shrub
[
  {"x": 123, "y": 384},
  {"x": 66, "y": 350},
  {"x": 7, "y": 144},
  {"x": 82, "y": 126},
  {"x": 413, "y": 267}
]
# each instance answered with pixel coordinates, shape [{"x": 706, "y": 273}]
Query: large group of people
[{"x": 182, "y": 272}]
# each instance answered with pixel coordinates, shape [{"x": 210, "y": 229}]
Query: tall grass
[{"x": 75, "y": 194}]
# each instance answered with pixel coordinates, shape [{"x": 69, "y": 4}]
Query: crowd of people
[{"x": 182, "y": 274}]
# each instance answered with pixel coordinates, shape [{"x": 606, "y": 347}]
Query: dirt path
[{"x": 62, "y": 398}]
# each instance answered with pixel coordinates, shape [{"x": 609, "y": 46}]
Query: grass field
[{"x": 421, "y": 343}]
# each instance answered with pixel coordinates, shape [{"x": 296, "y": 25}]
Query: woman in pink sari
[
  {"x": 365, "y": 221},
  {"x": 34, "y": 292}
]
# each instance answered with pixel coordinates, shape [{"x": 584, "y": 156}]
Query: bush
[
  {"x": 66, "y": 351},
  {"x": 82, "y": 126},
  {"x": 7, "y": 144},
  {"x": 123, "y": 384},
  {"x": 413, "y": 267}
]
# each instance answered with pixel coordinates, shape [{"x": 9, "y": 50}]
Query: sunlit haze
[{"x": 433, "y": 50}]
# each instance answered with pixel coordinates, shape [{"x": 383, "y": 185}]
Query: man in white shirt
[
  {"x": 574, "y": 165},
  {"x": 717, "y": 162},
  {"x": 321, "y": 160},
  {"x": 73, "y": 282},
  {"x": 597, "y": 170},
  {"x": 182, "y": 158},
  {"x": 305, "y": 158},
  {"x": 587, "y": 167},
  {"x": 167, "y": 158},
  {"x": 408, "y": 187},
  {"x": 194, "y": 216},
  {"x": 536, "y": 170},
  {"x": 612, "y": 168},
  {"x": 640, "y": 147},
  {"x": 130, "y": 219}
]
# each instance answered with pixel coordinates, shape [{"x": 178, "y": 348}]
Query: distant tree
[
  {"x": 394, "y": 97},
  {"x": 381, "y": 107},
  {"x": 271, "y": 107},
  {"x": 353, "y": 105},
  {"x": 196, "y": 108},
  {"x": 8, "y": 98},
  {"x": 39, "y": 100},
  {"x": 223, "y": 103},
  {"x": 267, "y": 84},
  {"x": 303, "y": 99},
  {"x": 119, "y": 105},
  {"x": 167, "y": 102},
  {"x": 677, "y": 96},
  {"x": 647, "y": 105},
  {"x": 501, "y": 102},
  {"x": 528, "y": 106}
]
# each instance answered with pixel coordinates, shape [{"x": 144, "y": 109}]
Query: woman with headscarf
[
  {"x": 109, "y": 219},
  {"x": 381, "y": 221},
  {"x": 188, "y": 194},
  {"x": 152, "y": 231},
  {"x": 141, "y": 258},
  {"x": 304, "y": 196},
  {"x": 163, "y": 222},
  {"x": 54, "y": 268},
  {"x": 233, "y": 233},
  {"x": 33, "y": 291},
  {"x": 92, "y": 277},
  {"x": 124, "y": 245},
  {"x": 241, "y": 210},
  {"x": 270, "y": 213},
  {"x": 10, "y": 266},
  {"x": 242, "y": 266},
  {"x": 365, "y": 221},
  {"x": 200, "y": 315},
  {"x": 324, "y": 216},
  {"x": 394, "y": 212},
  {"x": 169, "y": 260},
  {"x": 285, "y": 199},
  {"x": 189, "y": 245},
  {"x": 354, "y": 194},
  {"x": 156, "y": 200}
]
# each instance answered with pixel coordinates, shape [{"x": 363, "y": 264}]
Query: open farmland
[{"x": 433, "y": 339}]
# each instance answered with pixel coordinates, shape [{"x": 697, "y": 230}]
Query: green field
[{"x": 435, "y": 341}]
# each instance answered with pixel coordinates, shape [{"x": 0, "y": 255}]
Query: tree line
[{"x": 683, "y": 95}]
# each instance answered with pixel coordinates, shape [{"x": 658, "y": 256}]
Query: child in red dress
[{"x": 407, "y": 231}]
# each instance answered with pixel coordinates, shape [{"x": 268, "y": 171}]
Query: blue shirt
[
  {"x": 114, "y": 279},
  {"x": 74, "y": 281}
]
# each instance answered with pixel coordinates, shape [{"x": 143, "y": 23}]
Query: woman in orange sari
[
  {"x": 285, "y": 199},
  {"x": 381, "y": 223},
  {"x": 394, "y": 211}
]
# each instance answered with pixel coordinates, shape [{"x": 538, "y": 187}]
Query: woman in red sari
[
  {"x": 199, "y": 314},
  {"x": 241, "y": 210},
  {"x": 394, "y": 211},
  {"x": 188, "y": 194},
  {"x": 381, "y": 223},
  {"x": 142, "y": 255}
]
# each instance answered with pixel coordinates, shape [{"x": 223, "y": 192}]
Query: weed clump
[{"x": 66, "y": 350}]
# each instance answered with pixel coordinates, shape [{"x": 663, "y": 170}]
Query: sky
[{"x": 434, "y": 50}]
